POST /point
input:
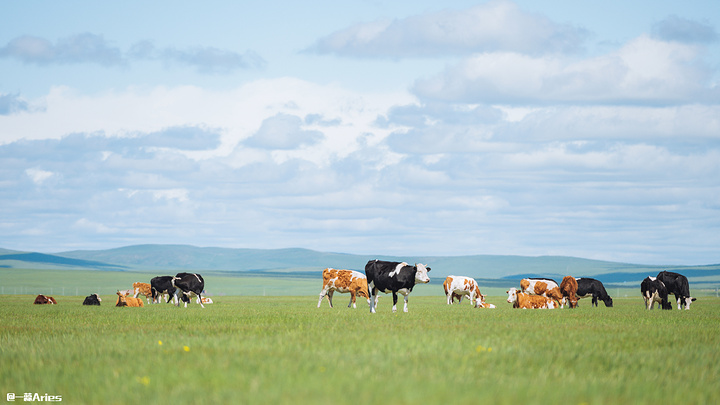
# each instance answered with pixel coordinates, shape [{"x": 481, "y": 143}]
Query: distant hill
[{"x": 304, "y": 262}]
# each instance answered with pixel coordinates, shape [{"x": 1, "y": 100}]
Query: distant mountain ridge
[{"x": 172, "y": 258}]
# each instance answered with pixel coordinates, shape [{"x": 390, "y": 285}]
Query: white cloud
[
  {"x": 38, "y": 176},
  {"x": 644, "y": 71},
  {"x": 493, "y": 26}
]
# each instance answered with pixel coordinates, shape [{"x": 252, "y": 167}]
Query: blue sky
[{"x": 576, "y": 128}]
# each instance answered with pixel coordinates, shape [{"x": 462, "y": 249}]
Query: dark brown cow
[
  {"x": 568, "y": 288},
  {"x": 44, "y": 299}
]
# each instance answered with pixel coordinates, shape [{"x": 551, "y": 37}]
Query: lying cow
[
  {"x": 144, "y": 289},
  {"x": 529, "y": 301},
  {"x": 589, "y": 287},
  {"x": 677, "y": 284},
  {"x": 653, "y": 290},
  {"x": 543, "y": 286},
  {"x": 343, "y": 281},
  {"x": 44, "y": 299},
  {"x": 125, "y": 301},
  {"x": 92, "y": 299},
  {"x": 459, "y": 286},
  {"x": 393, "y": 277},
  {"x": 568, "y": 288}
]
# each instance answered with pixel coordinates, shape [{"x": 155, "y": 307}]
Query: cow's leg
[
  {"x": 394, "y": 301},
  {"x": 352, "y": 299},
  {"x": 329, "y": 297},
  {"x": 449, "y": 298},
  {"x": 406, "y": 301},
  {"x": 373, "y": 297},
  {"x": 199, "y": 295},
  {"x": 594, "y": 300}
]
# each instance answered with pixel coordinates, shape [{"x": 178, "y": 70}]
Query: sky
[{"x": 576, "y": 128}]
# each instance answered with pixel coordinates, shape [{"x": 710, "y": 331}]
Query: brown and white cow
[
  {"x": 343, "y": 281},
  {"x": 206, "y": 300},
  {"x": 568, "y": 288},
  {"x": 144, "y": 289},
  {"x": 125, "y": 301},
  {"x": 529, "y": 301},
  {"x": 44, "y": 299},
  {"x": 543, "y": 286},
  {"x": 459, "y": 286}
]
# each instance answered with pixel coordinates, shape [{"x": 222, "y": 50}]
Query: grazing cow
[
  {"x": 653, "y": 290},
  {"x": 125, "y": 301},
  {"x": 543, "y": 286},
  {"x": 459, "y": 286},
  {"x": 343, "y": 281},
  {"x": 144, "y": 289},
  {"x": 568, "y": 288},
  {"x": 92, "y": 299},
  {"x": 189, "y": 283},
  {"x": 393, "y": 277},
  {"x": 529, "y": 301},
  {"x": 44, "y": 299},
  {"x": 677, "y": 284},
  {"x": 589, "y": 287},
  {"x": 162, "y": 285}
]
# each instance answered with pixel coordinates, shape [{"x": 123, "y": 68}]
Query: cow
[
  {"x": 568, "y": 288},
  {"x": 543, "y": 286},
  {"x": 343, "y": 281},
  {"x": 529, "y": 301},
  {"x": 677, "y": 284},
  {"x": 459, "y": 286},
  {"x": 144, "y": 289},
  {"x": 654, "y": 290},
  {"x": 189, "y": 283},
  {"x": 589, "y": 287},
  {"x": 162, "y": 285},
  {"x": 125, "y": 301},
  {"x": 393, "y": 277},
  {"x": 206, "y": 300},
  {"x": 92, "y": 299},
  {"x": 44, "y": 299}
]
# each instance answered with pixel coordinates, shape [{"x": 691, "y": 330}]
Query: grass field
[{"x": 252, "y": 350}]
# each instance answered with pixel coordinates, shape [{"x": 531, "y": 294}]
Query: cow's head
[
  {"x": 608, "y": 302},
  {"x": 512, "y": 295},
  {"x": 122, "y": 301},
  {"x": 688, "y": 301},
  {"x": 421, "y": 273},
  {"x": 480, "y": 301},
  {"x": 573, "y": 301}
]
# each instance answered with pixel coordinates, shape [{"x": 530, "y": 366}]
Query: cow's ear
[{"x": 428, "y": 268}]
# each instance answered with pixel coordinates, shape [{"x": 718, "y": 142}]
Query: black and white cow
[
  {"x": 589, "y": 287},
  {"x": 393, "y": 277},
  {"x": 189, "y": 283},
  {"x": 162, "y": 285},
  {"x": 92, "y": 299},
  {"x": 653, "y": 290},
  {"x": 677, "y": 284}
]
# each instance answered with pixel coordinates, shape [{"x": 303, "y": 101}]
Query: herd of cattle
[
  {"x": 188, "y": 284},
  {"x": 400, "y": 278}
]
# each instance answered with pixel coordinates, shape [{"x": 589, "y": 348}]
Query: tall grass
[{"x": 285, "y": 350}]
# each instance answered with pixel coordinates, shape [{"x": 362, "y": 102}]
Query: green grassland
[{"x": 283, "y": 349}]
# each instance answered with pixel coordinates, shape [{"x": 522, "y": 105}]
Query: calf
[
  {"x": 144, "y": 289},
  {"x": 543, "y": 286},
  {"x": 125, "y": 301},
  {"x": 162, "y": 285},
  {"x": 393, "y": 277},
  {"x": 677, "y": 284},
  {"x": 92, "y": 299},
  {"x": 653, "y": 290},
  {"x": 529, "y": 301},
  {"x": 459, "y": 286},
  {"x": 206, "y": 300},
  {"x": 44, "y": 299},
  {"x": 589, "y": 287},
  {"x": 343, "y": 281},
  {"x": 568, "y": 288},
  {"x": 189, "y": 283}
]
